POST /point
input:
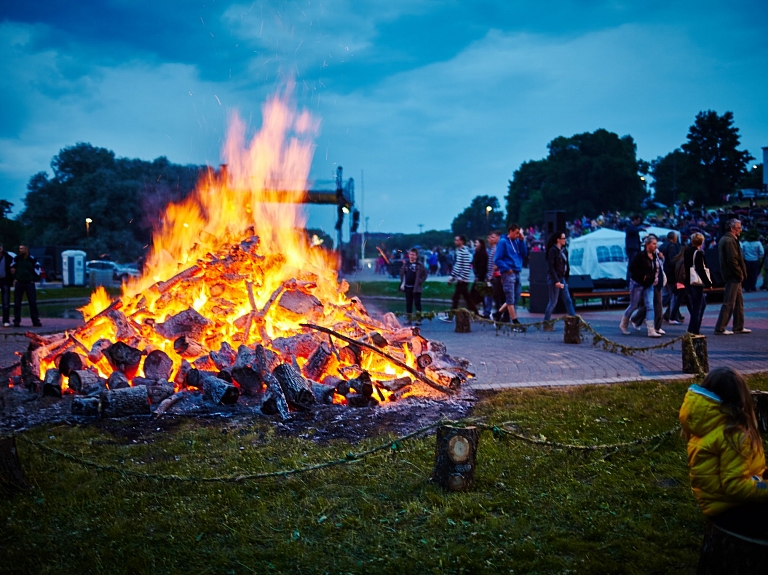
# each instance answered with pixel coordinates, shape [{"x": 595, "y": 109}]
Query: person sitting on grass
[{"x": 725, "y": 453}]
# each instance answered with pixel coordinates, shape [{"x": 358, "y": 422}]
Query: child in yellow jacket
[{"x": 725, "y": 453}]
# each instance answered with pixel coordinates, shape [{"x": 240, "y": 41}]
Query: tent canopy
[{"x": 599, "y": 254}]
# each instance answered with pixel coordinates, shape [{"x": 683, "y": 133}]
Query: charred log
[
  {"x": 157, "y": 365},
  {"x": 188, "y": 347},
  {"x": 29, "y": 371},
  {"x": 395, "y": 384},
  {"x": 248, "y": 377},
  {"x": 274, "y": 399},
  {"x": 455, "y": 456},
  {"x": 83, "y": 381},
  {"x": 301, "y": 304},
  {"x": 127, "y": 401},
  {"x": 297, "y": 390},
  {"x": 301, "y": 345},
  {"x": 117, "y": 380},
  {"x": 188, "y": 322},
  {"x": 217, "y": 390},
  {"x": 159, "y": 391},
  {"x": 181, "y": 376},
  {"x": 69, "y": 362},
  {"x": 97, "y": 350},
  {"x": 52, "y": 383},
  {"x": 124, "y": 358},
  {"x": 360, "y": 400},
  {"x": 318, "y": 362},
  {"x": 167, "y": 403},
  {"x": 225, "y": 357},
  {"x": 87, "y": 406}
]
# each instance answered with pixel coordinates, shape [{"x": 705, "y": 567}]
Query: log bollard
[
  {"x": 695, "y": 357},
  {"x": 455, "y": 454},
  {"x": 572, "y": 329},
  {"x": 760, "y": 399},
  {"x": 463, "y": 321},
  {"x": 725, "y": 553}
]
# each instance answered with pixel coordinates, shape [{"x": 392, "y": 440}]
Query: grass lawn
[
  {"x": 433, "y": 289},
  {"x": 68, "y": 292},
  {"x": 533, "y": 509}
]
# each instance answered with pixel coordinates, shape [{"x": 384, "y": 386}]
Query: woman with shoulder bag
[{"x": 696, "y": 279}]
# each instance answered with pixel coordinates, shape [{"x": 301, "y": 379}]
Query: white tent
[{"x": 599, "y": 254}]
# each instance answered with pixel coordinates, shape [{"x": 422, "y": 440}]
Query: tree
[
  {"x": 712, "y": 146},
  {"x": 676, "y": 178},
  {"x": 477, "y": 220},
  {"x": 587, "y": 173},
  {"x": 753, "y": 179}
]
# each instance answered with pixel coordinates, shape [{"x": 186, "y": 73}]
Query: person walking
[
  {"x": 25, "y": 275},
  {"x": 753, "y": 253},
  {"x": 460, "y": 275},
  {"x": 644, "y": 275},
  {"x": 6, "y": 281},
  {"x": 413, "y": 274},
  {"x": 696, "y": 258},
  {"x": 734, "y": 272},
  {"x": 558, "y": 271},
  {"x": 495, "y": 295},
  {"x": 480, "y": 269},
  {"x": 632, "y": 244},
  {"x": 670, "y": 297},
  {"x": 509, "y": 260}
]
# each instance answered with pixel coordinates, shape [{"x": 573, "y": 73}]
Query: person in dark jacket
[
  {"x": 24, "y": 270},
  {"x": 558, "y": 271},
  {"x": 644, "y": 275},
  {"x": 658, "y": 307},
  {"x": 6, "y": 281},
  {"x": 671, "y": 249},
  {"x": 480, "y": 269},
  {"x": 413, "y": 274},
  {"x": 734, "y": 272},
  {"x": 697, "y": 299},
  {"x": 632, "y": 241}
]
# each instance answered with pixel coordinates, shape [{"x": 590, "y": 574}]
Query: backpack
[{"x": 680, "y": 267}]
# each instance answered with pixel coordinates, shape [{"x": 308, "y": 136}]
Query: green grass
[
  {"x": 532, "y": 510},
  {"x": 433, "y": 289},
  {"x": 44, "y": 293}
]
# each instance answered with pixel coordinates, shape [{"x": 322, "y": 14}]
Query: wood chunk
[
  {"x": 124, "y": 358},
  {"x": 323, "y": 393},
  {"x": 572, "y": 329},
  {"x": 301, "y": 345},
  {"x": 69, "y": 362},
  {"x": 349, "y": 354},
  {"x": 181, "y": 376},
  {"x": 225, "y": 357},
  {"x": 52, "y": 383},
  {"x": 87, "y": 406},
  {"x": 159, "y": 391},
  {"x": 297, "y": 390},
  {"x": 243, "y": 372},
  {"x": 166, "y": 404},
  {"x": 29, "y": 372},
  {"x": 82, "y": 380},
  {"x": 318, "y": 362},
  {"x": 350, "y": 371},
  {"x": 117, "y": 380},
  {"x": 695, "y": 355},
  {"x": 443, "y": 377},
  {"x": 97, "y": 350},
  {"x": 303, "y": 305},
  {"x": 360, "y": 400},
  {"x": 378, "y": 340},
  {"x": 204, "y": 363},
  {"x": 188, "y": 347},
  {"x": 274, "y": 399},
  {"x": 157, "y": 365},
  {"x": 400, "y": 393},
  {"x": 391, "y": 322},
  {"x": 217, "y": 390},
  {"x": 436, "y": 346},
  {"x": 127, "y": 401},
  {"x": 188, "y": 322},
  {"x": 455, "y": 457},
  {"x": 395, "y": 384}
]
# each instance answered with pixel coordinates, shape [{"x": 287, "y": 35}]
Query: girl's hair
[
  {"x": 697, "y": 239},
  {"x": 482, "y": 244},
  {"x": 729, "y": 385},
  {"x": 552, "y": 240}
]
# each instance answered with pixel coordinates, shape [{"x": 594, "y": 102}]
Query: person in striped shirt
[{"x": 460, "y": 274}]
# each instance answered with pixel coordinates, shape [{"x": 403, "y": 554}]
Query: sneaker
[
  {"x": 724, "y": 332},
  {"x": 446, "y": 319},
  {"x": 661, "y": 331},
  {"x": 7, "y": 324},
  {"x": 637, "y": 327},
  {"x": 743, "y": 330},
  {"x": 16, "y": 324},
  {"x": 673, "y": 322}
]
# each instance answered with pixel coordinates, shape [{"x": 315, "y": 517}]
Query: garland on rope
[
  {"x": 499, "y": 325},
  {"x": 614, "y": 347},
  {"x": 498, "y": 431}
]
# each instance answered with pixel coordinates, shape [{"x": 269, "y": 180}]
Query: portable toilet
[{"x": 73, "y": 268}]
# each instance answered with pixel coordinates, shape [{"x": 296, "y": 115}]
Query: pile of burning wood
[{"x": 294, "y": 352}]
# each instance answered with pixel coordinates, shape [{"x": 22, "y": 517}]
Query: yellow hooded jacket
[{"x": 721, "y": 476}]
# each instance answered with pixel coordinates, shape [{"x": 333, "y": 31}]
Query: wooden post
[
  {"x": 463, "y": 321},
  {"x": 726, "y": 554},
  {"x": 760, "y": 399},
  {"x": 572, "y": 329},
  {"x": 695, "y": 357},
  {"x": 455, "y": 454},
  {"x": 12, "y": 477}
]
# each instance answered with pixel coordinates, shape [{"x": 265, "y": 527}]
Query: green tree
[
  {"x": 753, "y": 178},
  {"x": 712, "y": 146},
  {"x": 477, "y": 220},
  {"x": 587, "y": 174},
  {"x": 676, "y": 177}
]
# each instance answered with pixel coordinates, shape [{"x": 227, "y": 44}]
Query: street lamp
[
  {"x": 488, "y": 210},
  {"x": 88, "y": 222}
]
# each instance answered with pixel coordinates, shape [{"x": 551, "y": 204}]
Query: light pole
[
  {"x": 488, "y": 210},
  {"x": 88, "y": 222}
]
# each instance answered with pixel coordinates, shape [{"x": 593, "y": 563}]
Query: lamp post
[
  {"x": 88, "y": 222},
  {"x": 488, "y": 210}
]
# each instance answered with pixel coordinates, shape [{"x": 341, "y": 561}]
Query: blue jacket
[{"x": 509, "y": 255}]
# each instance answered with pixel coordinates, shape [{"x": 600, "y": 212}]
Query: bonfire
[{"x": 235, "y": 300}]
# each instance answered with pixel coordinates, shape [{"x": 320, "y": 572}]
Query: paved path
[{"x": 541, "y": 358}]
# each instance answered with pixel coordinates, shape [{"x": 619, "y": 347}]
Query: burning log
[
  {"x": 395, "y": 384},
  {"x": 318, "y": 362},
  {"x": 163, "y": 287},
  {"x": 349, "y": 354},
  {"x": 127, "y": 401},
  {"x": 360, "y": 400},
  {"x": 97, "y": 350},
  {"x": 123, "y": 357},
  {"x": 442, "y": 361},
  {"x": 323, "y": 393},
  {"x": 225, "y": 357},
  {"x": 297, "y": 390},
  {"x": 188, "y": 322},
  {"x": 181, "y": 376},
  {"x": 301, "y": 345},
  {"x": 187, "y": 347},
  {"x": 83, "y": 381},
  {"x": 400, "y": 393},
  {"x": 247, "y": 377},
  {"x": 397, "y": 362},
  {"x": 443, "y": 377},
  {"x": 69, "y": 362},
  {"x": 274, "y": 399},
  {"x": 52, "y": 383},
  {"x": 301, "y": 304},
  {"x": 117, "y": 380},
  {"x": 29, "y": 371},
  {"x": 87, "y": 406},
  {"x": 159, "y": 391},
  {"x": 157, "y": 365},
  {"x": 218, "y": 390},
  {"x": 125, "y": 328},
  {"x": 166, "y": 404}
]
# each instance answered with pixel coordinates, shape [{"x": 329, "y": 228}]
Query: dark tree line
[{"x": 122, "y": 197}]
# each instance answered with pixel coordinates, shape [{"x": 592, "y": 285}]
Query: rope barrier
[{"x": 351, "y": 457}]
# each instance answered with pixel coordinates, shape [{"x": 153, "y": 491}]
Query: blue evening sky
[{"x": 435, "y": 102}]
